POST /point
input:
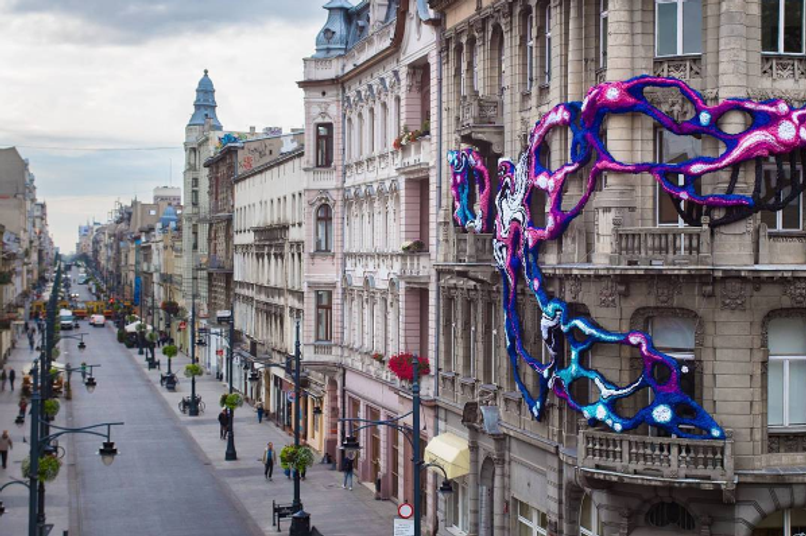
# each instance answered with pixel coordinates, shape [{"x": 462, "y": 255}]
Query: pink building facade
[{"x": 371, "y": 192}]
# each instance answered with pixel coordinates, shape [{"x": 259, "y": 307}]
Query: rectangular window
[
  {"x": 674, "y": 149},
  {"x": 460, "y": 64},
  {"x": 786, "y": 372},
  {"x": 782, "y": 26},
  {"x": 458, "y": 506},
  {"x": 324, "y": 145},
  {"x": 531, "y": 521},
  {"x": 530, "y": 51},
  {"x": 675, "y": 337},
  {"x": 678, "y": 27},
  {"x": 475, "y": 53},
  {"x": 790, "y": 217},
  {"x": 324, "y": 316}
]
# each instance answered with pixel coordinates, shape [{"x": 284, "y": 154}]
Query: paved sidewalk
[
  {"x": 15, "y": 497},
  {"x": 334, "y": 511}
]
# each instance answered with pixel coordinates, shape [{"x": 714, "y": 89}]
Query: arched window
[
  {"x": 528, "y": 49},
  {"x": 348, "y": 139},
  {"x": 670, "y": 513},
  {"x": 473, "y": 63},
  {"x": 324, "y": 228},
  {"x": 371, "y": 131},
  {"x": 360, "y": 137},
  {"x": 589, "y": 522},
  {"x": 384, "y": 126}
]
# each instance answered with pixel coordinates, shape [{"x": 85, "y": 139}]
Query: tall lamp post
[
  {"x": 221, "y": 317},
  {"x": 193, "y": 410},
  {"x": 412, "y": 435},
  {"x": 39, "y": 444}
]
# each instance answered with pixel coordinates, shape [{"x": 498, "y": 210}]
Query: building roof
[{"x": 204, "y": 106}]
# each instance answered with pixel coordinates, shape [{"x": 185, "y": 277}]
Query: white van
[
  {"x": 97, "y": 321},
  {"x": 66, "y": 319}
]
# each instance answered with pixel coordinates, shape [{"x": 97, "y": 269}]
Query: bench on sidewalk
[{"x": 278, "y": 512}]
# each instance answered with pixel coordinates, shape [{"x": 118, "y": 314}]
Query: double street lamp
[{"x": 351, "y": 446}]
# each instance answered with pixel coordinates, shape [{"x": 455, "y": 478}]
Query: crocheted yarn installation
[
  {"x": 465, "y": 165},
  {"x": 775, "y": 130}
]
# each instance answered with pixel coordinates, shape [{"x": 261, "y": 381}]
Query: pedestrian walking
[
  {"x": 260, "y": 411},
  {"x": 223, "y": 422},
  {"x": 11, "y": 377},
  {"x": 31, "y": 340},
  {"x": 3, "y": 378},
  {"x": 347, "y": 466},
  {"x": 83, "y": 371},
  {"x": 269, "y": 459},
  {"x": 5, "y": 445},
  {"x": 23, "y": 406}
]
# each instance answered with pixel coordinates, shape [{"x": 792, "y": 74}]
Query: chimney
[{"x": 252, "y": 130}]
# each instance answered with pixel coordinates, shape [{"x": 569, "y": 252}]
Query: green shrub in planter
[
  {"x": 54, "y": 372},
  {"x": 170, "y": 351},
  {"x": 152, "y": 337},
  {"x": 231, "y": 401},
  {"x": 49, "y": 467},
  {"x": 51, "y": 407},
  {"x": 193, "y": 370},
  {"x": 296, "y": 458}
]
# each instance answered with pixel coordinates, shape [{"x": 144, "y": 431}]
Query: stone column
[
  {"x": 500, "y": 518},
  {"x": 732, "y": 243},
  {"x": 617, "y": 201},
  {"x": 473, "y": 481}
]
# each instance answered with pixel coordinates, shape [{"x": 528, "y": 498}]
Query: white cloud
[{"x": 77, "y": 94}]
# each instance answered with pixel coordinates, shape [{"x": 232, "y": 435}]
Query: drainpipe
[
  {"x": 438, "y": 301},
  {"x": 343, "y": 265}
]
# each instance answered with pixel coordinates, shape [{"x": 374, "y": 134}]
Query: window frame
[
  {"x": 779, "y": 214},
  {"x": 594, "y": 518},
  {"x": 780, "y": 49},
  {"x": 529, "y": 46},
  {"x": 459, "y": 509},
  {"x": 679, "y": 44},
  {"x": 533, "y": 522},
  {"x": 328, "y": 228},
  {"x": 785, "y": 359},
  {"x": 324, "y": 332},
  {"x": 604, "y": 21},
  {"x": 328, "y": 145},
  {"x": 547, "y": 45}
]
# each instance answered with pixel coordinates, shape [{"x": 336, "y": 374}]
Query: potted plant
[
  {"x": 378, "y": 357},
  {"x": 51, "y": 408},
  {"x": 402, "y": 365},
  {"x": 193, "y": 370},
  {"x": 413, "y": 246},
  {"x": 49, "y": 467},
  {"x": 121, "y": 336},
  {"x": 231, "y": 401},
  {"x": 293, "y": 458}
]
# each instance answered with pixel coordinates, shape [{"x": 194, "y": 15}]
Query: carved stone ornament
[
  {"x": 608, "y": 294},
  {"x": 574, "y": 288},
  {"x": 734, "y": 295},
  {"x": 665, "y": 289},
  {"x": 795, "y": 289}
]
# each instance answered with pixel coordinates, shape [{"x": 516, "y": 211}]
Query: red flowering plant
[
  {"x": 403, "y": 366},
  {"x": 378, "y": 357}
]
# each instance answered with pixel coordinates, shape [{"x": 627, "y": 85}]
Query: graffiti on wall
[{"x": 775, "y": 130}]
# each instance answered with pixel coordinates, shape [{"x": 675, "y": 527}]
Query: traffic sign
[
  {"x": 219, "y": 352},
  {"x": 405, "y": 510},
  {"x": 290, "y": 396},
  {"x": 404, "y": 527},
  {"x": 182, "y": 325}
]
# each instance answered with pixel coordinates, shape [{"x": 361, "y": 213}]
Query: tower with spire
[{"x": 204, "y": 106}]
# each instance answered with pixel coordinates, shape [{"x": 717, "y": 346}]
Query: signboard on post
[{"x": 404, "y": 527}]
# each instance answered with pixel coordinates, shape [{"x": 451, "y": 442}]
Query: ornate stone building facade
[
  {"x": 370, "y": 197},
  {"x": 728, "y": 302}
]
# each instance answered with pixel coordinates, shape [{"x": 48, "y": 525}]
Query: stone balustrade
[
  {"x": 644, "y": 246},
  {"x": 660, "y": 461},
  {"x": 386, "y": 264},
  {"x": 471, "y": 248},
  {"x": 415, "y": 155}
]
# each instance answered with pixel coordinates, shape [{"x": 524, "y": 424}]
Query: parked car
[{"x": 97, "y": 321}]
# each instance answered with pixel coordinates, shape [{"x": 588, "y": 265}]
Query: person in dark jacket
[
  {"x": 223, "y": 421},
  {"x": 11, "y": 377}
]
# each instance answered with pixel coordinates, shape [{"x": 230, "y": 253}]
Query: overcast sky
[{"x": 122, "y": 73}]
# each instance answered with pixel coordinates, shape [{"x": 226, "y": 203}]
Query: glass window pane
[
  {"x": 793, "y": 26},
  {"x": 586, "y": 514},
  {"x": 666, "y": 29},
  {"x": 671, "y": 333},
  {"x": 797, "y": 520},
  {"x": 790, "y": 215},
  {"x": 769, "y": 25},
  {"x": 775, "y": 392},
  {"x": 524, "y": 529},
  {"x": 692, "y": 27},
  {"x": 787, "y": 336},
  {"x": 797, "y": 392},
  {"x": 667, "y": 214}
]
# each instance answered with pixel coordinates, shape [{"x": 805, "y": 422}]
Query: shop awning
[{"x": 450, "y": 452}]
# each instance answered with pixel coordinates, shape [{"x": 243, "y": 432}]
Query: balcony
[
  {"x": 415, "y": 157},
  {"x": 472, "y": 248},
  {"x": 268, "y": 234},
  {"x": 661, "y": 246},
  {"x": 683, "y": 67},
  {"x": 409, "y": 266},
  {"x": 481, "y": 119},
  {"x": 219, "y": 264},
  {"x": 783, "y": 67},
  {"x": 656, "y": 461},
  {"x": 323, "y": 177}
]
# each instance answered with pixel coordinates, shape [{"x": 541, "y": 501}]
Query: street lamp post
[
  {"x": 231, "y": 454},
  {"x": 412, "y": 434},
  {"x": 153, "y": 343},
  {"x": 139, "y": 332},
  {"x": 296, "y": 505},
  {"x": 193, "y": 411},
  {"x": 36, "y": 504}
]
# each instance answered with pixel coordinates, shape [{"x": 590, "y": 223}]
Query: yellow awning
[{"x": 450, "y": 452}]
